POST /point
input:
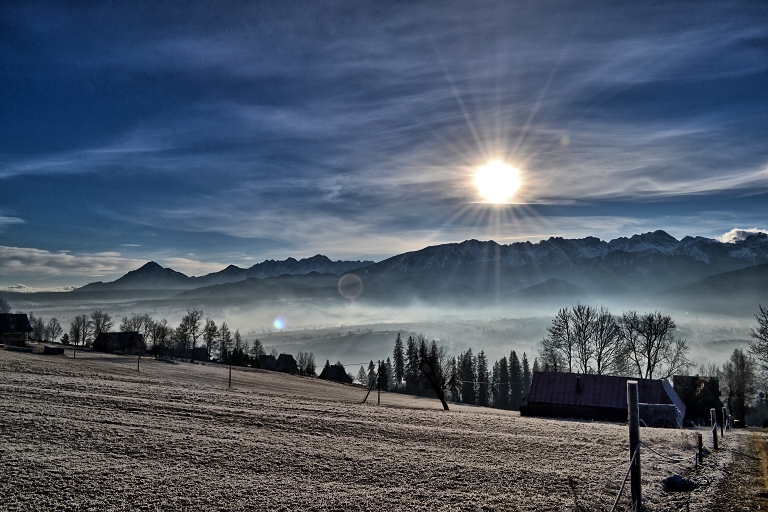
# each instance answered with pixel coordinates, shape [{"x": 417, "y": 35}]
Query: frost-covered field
[{"x": 93, "y": 434}]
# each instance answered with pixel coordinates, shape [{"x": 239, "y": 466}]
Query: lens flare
[
  {"x": 350, "y": 286},
  {"x": 279, "y": 324},
  {"x": 497, "y": 182}
]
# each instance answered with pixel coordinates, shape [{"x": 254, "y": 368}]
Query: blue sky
[{"x": 200, "y": 134}]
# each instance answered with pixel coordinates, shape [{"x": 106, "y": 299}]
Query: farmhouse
[
  {"x": 284, "y": 363},
  {"x": 336, "y": 373},
  {"x": 14, "y": 328},
  {"x": 126, "y": 342},
  {"x": 602, "y": 398}
]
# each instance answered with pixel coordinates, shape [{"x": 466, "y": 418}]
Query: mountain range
[
  {"x": 152, "y": 276},
  {"x": 653, "y": 265}
]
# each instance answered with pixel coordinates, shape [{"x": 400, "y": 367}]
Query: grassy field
[{"x": 92, "y": 433}]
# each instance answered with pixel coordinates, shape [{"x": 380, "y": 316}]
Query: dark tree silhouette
[
  {"x": 434, "y": 366},
  {"x": 467, "y": 374},
  {"x": 759, "y": 347},
  {"x": 482, "y": 379},
  {"x": 398, "y": 362},
  {"x": 515, "y": 382}
]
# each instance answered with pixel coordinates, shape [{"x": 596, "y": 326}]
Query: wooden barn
[
  {"x": 283, "y": 363},
  {"x": 601, "y": 398},
  {"x": 335, "y": 373},
  {"x": 14, "y": 329},
  {"x": 125, "y": 342}
]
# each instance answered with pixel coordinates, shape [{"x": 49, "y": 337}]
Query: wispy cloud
[
  {"x": 313, "y": 127},
  {"x": 193, "y": 267},
  {"x": 22, "y": 261}
]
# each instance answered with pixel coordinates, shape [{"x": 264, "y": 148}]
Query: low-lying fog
[{"x": 354, "y": 333}]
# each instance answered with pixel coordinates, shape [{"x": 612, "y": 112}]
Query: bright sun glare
[{"x": 497, "y": 182}]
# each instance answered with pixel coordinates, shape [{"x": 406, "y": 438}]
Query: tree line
[
  {"x": 421, "y": 367},
  {"x": 586, "y": 339}
]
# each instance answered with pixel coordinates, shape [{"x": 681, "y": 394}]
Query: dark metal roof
[
  {"x": 14, "y": 322},
  {"x": 336, "y": 373},
  {"x": 596, "y": 390}
]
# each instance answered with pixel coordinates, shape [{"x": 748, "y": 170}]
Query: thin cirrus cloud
[{"x": 329, "y": 127}]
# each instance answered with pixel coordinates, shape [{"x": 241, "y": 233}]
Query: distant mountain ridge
[
  {"x": 152, "y": 276},
  {"x": 556, "y": 269}
]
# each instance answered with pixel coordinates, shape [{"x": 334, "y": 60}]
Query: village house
[
  {"x": 14, "y": 329},
  {"x": 336, "y": 373},
  {"x": 283, "y": 363},
  {"x": 601, "y": 398},
  {"x": 123, "y": 342}
]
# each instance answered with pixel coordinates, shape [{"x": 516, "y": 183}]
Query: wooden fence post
[
  {"x": 633, "y": 421},
  {"x": 701, "y": 449},
  {"x": 725, "y": 420},
  {"x": 713, "y": 419}
]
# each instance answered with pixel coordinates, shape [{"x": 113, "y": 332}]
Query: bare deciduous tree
[
  {"x": 53, "y": 329},
  {"x": 609, "y": 351},
  {"x": 738, "y": 378},
  {"x": 100, "y": 322},
  {"x": 652, "y": 346},
  {"x": 210, "y": 334},
  {"x": 583, "y": 325},
  {"x": 5, "y": 307},
  {"x": 559, "y": 345},
  {"x": 79, "y": 330},
  {"x": 759, "y": 347}
]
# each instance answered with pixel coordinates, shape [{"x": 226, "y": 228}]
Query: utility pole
[{"x": 633, "y": 421}]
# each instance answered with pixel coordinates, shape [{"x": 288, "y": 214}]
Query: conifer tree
[
  {"x": 371, "y": 373},
  {"x": 515, "y": 382},
  {"x": 390, "y": 376},
  {"x": 535, "y": 365},
  {"x": 362, "y": 376},
  {"x": 412, "y": 379},
  {"x": 327, "y": 364},
  {"x": 453, "y": 381},
  {"x": 495, "y": 384},
  {"x": 526, "y": 375},
  {"x": 482, "y": 379},
  {"x": 467, "y": 375},
  {"x": 382, "y": 378},
  {"x": 503, "y": 384},
  {"x": 399, "y": 362}
]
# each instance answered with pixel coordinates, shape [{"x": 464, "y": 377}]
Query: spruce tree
[
  {"x": 383, "y": 380},
  {"x": 515, "y": 382},
  {"x": 327, "y": 364},
  {"x": 399, "y": 362},
  {"x": 482, "y": 379},
  {"x": 371, "y": 373},
  {"x": 390, "y": 376},
  {"x": 362, "y": 376},
  {"x": 467, "y": 375},
  {"x": 412, "y": 368},
  {"x": 536, "y": 365},
  {"x": 526, "y": 375},
  {"x": 495, "y": 385},
  {"x": 503, "y": 384},
  {"x": 453, "y": 381}
]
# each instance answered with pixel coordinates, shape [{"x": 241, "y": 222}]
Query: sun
[{"x": 497, "y": 182}]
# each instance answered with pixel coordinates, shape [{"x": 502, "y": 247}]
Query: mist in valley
[{"x": 356, "y": 331}]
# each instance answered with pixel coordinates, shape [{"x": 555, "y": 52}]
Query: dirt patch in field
[
  {"x": 94, "y": 434},
  {"x": 745, "y": 486}
]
